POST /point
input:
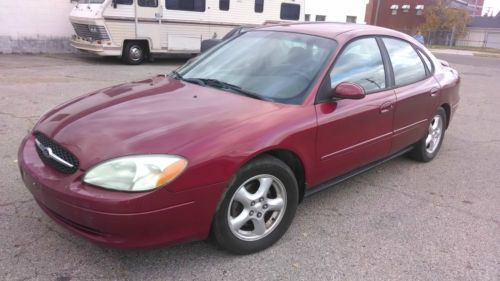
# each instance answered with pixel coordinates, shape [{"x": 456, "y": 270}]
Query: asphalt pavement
[{"x": 401, "y": 221}]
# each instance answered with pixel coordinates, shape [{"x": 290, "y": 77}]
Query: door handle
[
  {"x": 386, "y": 107},
  {"x": 434, "y": 92}
]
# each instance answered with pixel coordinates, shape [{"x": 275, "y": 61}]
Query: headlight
[{"x": 136, "y": 173}]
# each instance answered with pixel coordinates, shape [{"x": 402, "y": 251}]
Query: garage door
[{"x": 493, "y": 40}]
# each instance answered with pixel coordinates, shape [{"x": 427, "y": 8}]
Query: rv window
[
  {"x": 290, "y": 11},
  {"x": 124, "y": 2},
  {"x": 224, "y": 5},
  {"x": 148, "y": 3},
  {"x": 259, "y": 6},
  {"x": 186, "y": 5}
]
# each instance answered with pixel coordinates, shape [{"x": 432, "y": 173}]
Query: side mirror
[
  {"x": 115, "y": 5},
  {"x": 347, "y": 90}
]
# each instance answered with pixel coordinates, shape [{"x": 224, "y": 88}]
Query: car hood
[{"x": 158, "y": 115}]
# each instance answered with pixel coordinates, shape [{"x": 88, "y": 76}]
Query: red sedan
[{"x": 232, "y": 141}]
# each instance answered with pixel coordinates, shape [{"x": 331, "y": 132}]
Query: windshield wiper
[
  {"x": 178, "y": 76},
  {"x": 227, "y": 86}
]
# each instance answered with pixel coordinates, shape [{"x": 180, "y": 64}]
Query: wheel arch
[{"x": 447, "y": 109}]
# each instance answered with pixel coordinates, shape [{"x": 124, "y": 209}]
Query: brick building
[{"x": 407, "y": 15}]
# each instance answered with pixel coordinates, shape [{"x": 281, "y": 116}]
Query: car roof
[{"x": 332, "y": 29}]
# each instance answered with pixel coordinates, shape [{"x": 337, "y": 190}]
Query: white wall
[
  {"x": 31, "y": 18},
  {"x": 337, "y": 10}
]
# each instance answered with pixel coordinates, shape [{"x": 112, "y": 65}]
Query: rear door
[
  {"x": 416, "y": 91},
  {"x": 352, "y": 133}
]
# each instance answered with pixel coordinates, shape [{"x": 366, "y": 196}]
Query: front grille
[
  {"x": 60, "y": 156},
  {"x": 91, "y": 32}
]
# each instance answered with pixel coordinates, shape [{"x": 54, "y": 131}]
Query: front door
[
  {"x": 352, "y": 133},
  {"x": 149, "y": 17}
]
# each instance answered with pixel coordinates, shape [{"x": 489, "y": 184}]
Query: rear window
[
  {"x": 406, "y": 63},
  {"x": 290, "y": 11}
]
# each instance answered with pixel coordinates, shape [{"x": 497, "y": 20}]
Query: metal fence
[{"x": 475, "y": 38}]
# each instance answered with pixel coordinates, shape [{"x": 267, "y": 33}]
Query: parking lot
[{"x": 401, "y": 221}]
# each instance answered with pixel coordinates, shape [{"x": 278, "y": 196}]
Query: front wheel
[
  {"x": 134, "y": 53},
  {"x": 257, "y": 208},
  {"x": 428, "y": 147}
]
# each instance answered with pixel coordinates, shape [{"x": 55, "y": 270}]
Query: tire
[
  {"x": 208, "y": 44},
  {"x": 249, "y": 218},
  {"x": 428, "y": 147},
  {"x": 134, "y": 53}
]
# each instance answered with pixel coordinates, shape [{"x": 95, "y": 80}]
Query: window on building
[
  {"x": 320, "y": 18},
  {"x": 124, "y": 2},
  {"x": 361, "y": 63},
  {"x": 307, "y": 17},
  {"x": 148, "y": 3},
  {"x": 224, "y": 5},
  {"x": 259, "y": 6},
  {"x": 290, "y": 11},
  {"x": 407, "y": 65},
  {"x": 394, "y": 9},
  {"x": 350, "y": 19},
  {"x": 186, "y": 5},
  {"x": 419, "y": 10}
]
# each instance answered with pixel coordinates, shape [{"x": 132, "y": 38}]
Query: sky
[{"x": 494, "y": 4}]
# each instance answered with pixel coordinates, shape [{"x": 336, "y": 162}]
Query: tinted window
[
  {"x": 407, "y": 65},
  {"x": 427, "y": 61},
  {"x": 224, "y": 5},
  {"x": 360, "y": 63},
  {"x": 259, "y": 6},
  {"x": 186, "y": 5},
  {"x": 124, "y": 2},
  {"x": 148, "y": 3},
  {"x": 290, "y": 11}
]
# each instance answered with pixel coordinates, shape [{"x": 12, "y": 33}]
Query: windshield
[{"x": 278, "y": 66}]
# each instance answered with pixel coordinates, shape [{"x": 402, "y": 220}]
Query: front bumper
[
  {"x": 117, "y": 219},
  {"x": 95, "y": 48}
]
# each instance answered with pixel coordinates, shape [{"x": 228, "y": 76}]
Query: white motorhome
[{"x": 135, "y": 29}]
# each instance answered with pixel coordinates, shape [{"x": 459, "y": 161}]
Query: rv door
[{"x": 149, "y": 16}]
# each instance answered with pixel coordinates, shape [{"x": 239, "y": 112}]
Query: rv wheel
[{"x": 134, "y": 53}]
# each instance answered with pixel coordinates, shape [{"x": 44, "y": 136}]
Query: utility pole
[{"x": 376, "y": 13}]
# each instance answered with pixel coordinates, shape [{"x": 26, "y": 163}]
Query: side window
[
  {"x": 124, "y": 2},
  {"x": 224, "y": 5},
  {"x": 407, "y": 65},
  {"x": 148, "y": 3},
  {"x": 361, "y": 63},
  {"x": 259, "y": 6},
  {"x": 186, "y": 5},
  {"x": 290, "y": 11},
  {"x": 427, "y": 61}
]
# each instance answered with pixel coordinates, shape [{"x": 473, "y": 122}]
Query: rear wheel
[
  {"x": 428, "y": 147},
  {"x": 257, "y": 208},
  {"x": 134, "y": 53}
]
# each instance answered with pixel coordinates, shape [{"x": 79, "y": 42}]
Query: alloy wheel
[
  {"x": 257, "y": 207},
  {"x": 435, "y": 134}
]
